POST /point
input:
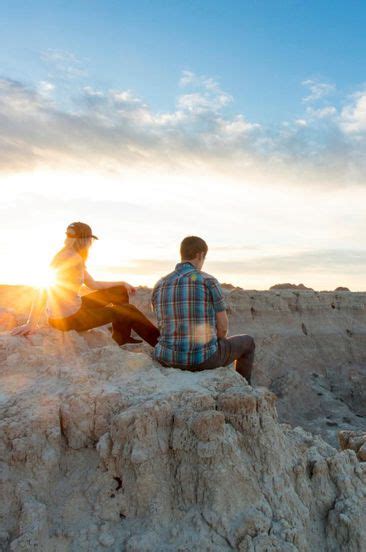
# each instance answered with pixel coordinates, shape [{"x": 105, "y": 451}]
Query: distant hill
[{"x": 291, "y": 286}]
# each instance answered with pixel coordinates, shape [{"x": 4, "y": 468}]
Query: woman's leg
[
  {"x": 116, "y": 295},
  {"x": 124, "y": 318},
  {"x": 129, "y": 317}
]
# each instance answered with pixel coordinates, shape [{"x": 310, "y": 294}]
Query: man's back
[{"x": 186, "y": 302}]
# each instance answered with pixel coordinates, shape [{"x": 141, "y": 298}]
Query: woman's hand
[
  {"x": 26, "y": 329},
  {"x": 130, "y": 289}
]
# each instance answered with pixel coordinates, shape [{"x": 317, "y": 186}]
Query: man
[{"x": 192, "y": 319}]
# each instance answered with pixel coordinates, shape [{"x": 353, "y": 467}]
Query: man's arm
[
  {"x": 96, "y": 285},
  {"x": 219, "y": 305},
  {"x": 222, "y": 324}
]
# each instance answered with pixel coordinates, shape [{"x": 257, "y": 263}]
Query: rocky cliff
[
  {"x": 102, "y": 449},
  {"x": 311, "y": 352}
]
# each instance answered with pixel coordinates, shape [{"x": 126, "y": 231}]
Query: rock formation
[
  {"x": 103, "y": 449},
  {"x": 291, "y": 286},
  {"x": 341, "y": 288},
  {"x": 354, "y": 440},
  {"x": 311, "y": 352}
]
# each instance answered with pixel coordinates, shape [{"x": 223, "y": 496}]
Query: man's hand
[{"x": 25, "y": 329}]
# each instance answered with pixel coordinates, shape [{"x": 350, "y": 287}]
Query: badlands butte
[{"x": 103, "y": 449}]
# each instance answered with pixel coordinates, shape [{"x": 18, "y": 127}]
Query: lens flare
[{"x": 42, "y": 279}]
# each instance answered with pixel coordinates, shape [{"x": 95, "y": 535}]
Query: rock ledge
[{"x": 102, "y": 449}]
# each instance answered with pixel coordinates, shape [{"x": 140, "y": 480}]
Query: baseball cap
[{"x": 79, "y": 230}]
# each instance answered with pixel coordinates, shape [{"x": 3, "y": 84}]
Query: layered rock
[
  {"x": 103, "y": 449},
  {"x": 311, "y": 352}
]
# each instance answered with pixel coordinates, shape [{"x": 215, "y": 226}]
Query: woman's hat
[{"x": 79, "y": 230}]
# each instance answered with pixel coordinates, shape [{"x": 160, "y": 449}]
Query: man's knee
[
  {"x": 252, "y": 343},
  {"x": 248, "y": 343}
]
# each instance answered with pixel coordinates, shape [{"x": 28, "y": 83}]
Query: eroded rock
[
  {"x": 103, "y": 449},
  {"x": 354, "y": 440}
]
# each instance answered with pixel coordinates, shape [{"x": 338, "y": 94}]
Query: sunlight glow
[
  {"x": 43, "y": 278},
  {"x": 139, "y": 234}
]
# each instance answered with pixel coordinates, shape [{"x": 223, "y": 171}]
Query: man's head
[{"x": 194, "y": 250}]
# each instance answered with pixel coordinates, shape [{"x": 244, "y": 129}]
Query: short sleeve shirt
[
  {"x": 186, "y": 302},
  {"x": 64, "y": 296}
]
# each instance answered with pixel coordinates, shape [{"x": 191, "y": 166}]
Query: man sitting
[{"x": 192, "y": 319}]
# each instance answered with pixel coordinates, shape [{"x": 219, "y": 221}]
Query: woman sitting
[{"x": 68, "y": 310}]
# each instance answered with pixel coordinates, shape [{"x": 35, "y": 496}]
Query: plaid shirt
[{"x": 186, "y": 302}]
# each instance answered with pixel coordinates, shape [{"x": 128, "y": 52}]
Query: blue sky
[
  {"x": 243, "y": 122},
  {"x": 259, "y": 51}
]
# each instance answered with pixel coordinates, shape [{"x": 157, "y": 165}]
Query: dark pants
[
  {"x": 110, "y": 306},
  {"x": 238, "y": 348}
]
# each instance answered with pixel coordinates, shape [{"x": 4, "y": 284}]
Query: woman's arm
[
  {"x": 94, "y": 284},
  {"x": 37, "y": 308}
]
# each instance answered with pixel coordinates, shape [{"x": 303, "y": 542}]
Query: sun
[{"x": 43, "y": 278}]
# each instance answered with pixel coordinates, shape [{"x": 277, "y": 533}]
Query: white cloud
[
  {"x": 198, "y": 103},
  {"x": 46, "y": 88},
  {"x": 64, "y": 62},
  {"x": 189, "y": 78},
  {"x": 353, "y": 116},
  {"x": 237, "y": 127},
  {"x": 58, "y": 56},
  {"x": 206, "y": 94},
  {"x": 117, "y": 129},
  {"x": 317, "y": 90},
  {"x": 323, "y": 112}
]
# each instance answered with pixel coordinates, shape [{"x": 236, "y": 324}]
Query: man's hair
[{"x": 191, "y": 246}]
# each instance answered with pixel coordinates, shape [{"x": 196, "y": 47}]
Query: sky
[{"x": 243, "y": 122}]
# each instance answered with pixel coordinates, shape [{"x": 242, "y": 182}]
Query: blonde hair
[{"x": 80, "y": 245}]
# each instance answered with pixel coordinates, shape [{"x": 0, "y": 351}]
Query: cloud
[
  {"x": 336, "y": 261},
  {"x": 190, "y": 79},
  {"x": 317, "y": 261},
  {"x": 45, "y": 88},
  {"x": 301, "y": 122},
  {"x": 62, "y": 61},
  {"x": 322, "y": 113},
  {"x": 206, "y": 97},
  {"x": 353, "y": 116},
  {"x": 317, "y": 90},
  {"x": 109, "y": 130}
]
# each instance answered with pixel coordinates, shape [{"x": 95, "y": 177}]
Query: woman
[{"x": 67, "y": 310}]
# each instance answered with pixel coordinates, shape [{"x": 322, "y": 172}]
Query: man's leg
[
  {"x": 242, "y": 349},
  {"x": 238, "y": 348},
  {"x": 116, "y": 295}
]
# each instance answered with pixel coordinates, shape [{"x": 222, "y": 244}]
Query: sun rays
[{"x": 43, "y": 277}]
